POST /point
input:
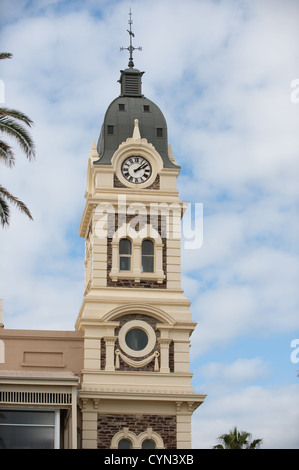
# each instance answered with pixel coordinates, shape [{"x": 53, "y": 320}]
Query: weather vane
[{"x": 131, "y": 48}]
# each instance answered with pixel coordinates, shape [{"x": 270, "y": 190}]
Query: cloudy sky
[{"x": 226, "y": 76}]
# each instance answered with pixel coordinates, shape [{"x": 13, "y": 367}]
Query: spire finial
[{"x": 131, "y": 48}]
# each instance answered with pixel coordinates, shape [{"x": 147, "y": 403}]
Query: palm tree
[
  {"x": 237, "y": 440},
  {"x": 12, "y": 124}
]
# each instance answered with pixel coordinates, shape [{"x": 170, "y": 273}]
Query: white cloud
[
  {"x": 255, "y": 295},
  {"x": 268, "y": 414},
  {"x": 241, "y": 370},
  {"x": 246, "y": 273},
  {"x": 223, "y": 315}
]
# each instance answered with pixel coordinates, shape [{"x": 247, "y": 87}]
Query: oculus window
[{"x": 136, "y": 339}]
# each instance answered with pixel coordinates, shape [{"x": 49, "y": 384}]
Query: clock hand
[{"x": 140, "y": 167}]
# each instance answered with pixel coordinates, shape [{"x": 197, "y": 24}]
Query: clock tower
[{"x": 136, "y": 387}]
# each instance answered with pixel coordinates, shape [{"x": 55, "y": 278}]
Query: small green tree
[
  {"x": 237, "y": 440},
  {"x": 12, "y": 124}
]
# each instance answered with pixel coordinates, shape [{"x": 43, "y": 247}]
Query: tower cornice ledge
[{"x": 143, "y": 396}]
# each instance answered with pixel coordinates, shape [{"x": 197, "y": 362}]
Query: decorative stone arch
[
  {"x": 137, "y": 441},
  {"x": 144, "y": 308},
  {"x": 124, "y": 434},
  {"x": 137, "y": 237},
  {"x": 149, "y": 434}
]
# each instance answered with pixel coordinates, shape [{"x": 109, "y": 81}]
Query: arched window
[
  {"x": 148, "y": 444},
  {"x": 125, "y": 444},
  {"x": 126, "y": 439},
  {"x": 148, "y": 252},
  {"x": 125, "y": 253},
  {"x": 137, "y": 255}
]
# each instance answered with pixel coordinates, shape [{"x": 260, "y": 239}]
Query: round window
[{"x": 136, "y": 339}]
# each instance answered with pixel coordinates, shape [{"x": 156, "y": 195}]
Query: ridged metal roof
[{"x": 119, "y": 119}]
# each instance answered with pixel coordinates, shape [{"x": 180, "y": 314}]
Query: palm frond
[
  {"x": 5, "y": 55},
  {"x": 255, "y": 444},
  {"x": 237, "y": 440},
  {"x": 4, "y": 194},
  {"x": 6, "y": 154},
  {"x": 4, "y": 212},
  {"x": 16, "y": 114},
  {"x": 18, "y": 132},
  {"x": 12, "y": 124}
]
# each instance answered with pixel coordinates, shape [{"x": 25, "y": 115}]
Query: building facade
[
  {"x": 122, "y": 379},
  {"x": 39, "y": 382}
]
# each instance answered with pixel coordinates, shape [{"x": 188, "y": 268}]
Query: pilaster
[{"x": 89, "y": 424}]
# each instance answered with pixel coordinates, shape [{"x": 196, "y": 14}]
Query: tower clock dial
[{"x": 136, "y": 169}]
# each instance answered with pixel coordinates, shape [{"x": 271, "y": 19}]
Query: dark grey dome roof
[{"x": 119, "y": 119}]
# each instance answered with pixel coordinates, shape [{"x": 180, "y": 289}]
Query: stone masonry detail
[
  {"x": 113, "y": 225},
  {"x": 110, "y": 424}
]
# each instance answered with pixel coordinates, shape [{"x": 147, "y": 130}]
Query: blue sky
[{"x": 222, "y": 73}]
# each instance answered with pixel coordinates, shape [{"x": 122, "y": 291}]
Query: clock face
[{"x": 136, "y": 169}]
